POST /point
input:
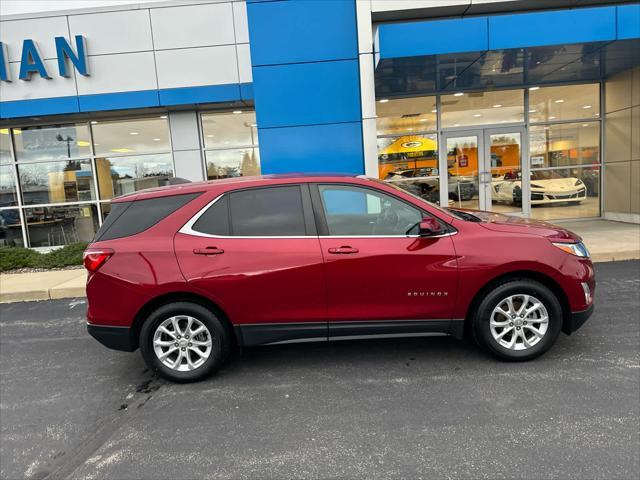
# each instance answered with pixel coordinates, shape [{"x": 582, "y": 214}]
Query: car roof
[{"x": 225, "y": 184}]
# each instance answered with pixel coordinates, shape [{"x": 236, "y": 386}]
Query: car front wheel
[
  {"x": 519, "y": 320},
  {"x": 184, "y": 342}
]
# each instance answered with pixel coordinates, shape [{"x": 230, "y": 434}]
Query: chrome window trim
[
  {"x": 448, "y": 234},
  {"x": 187, "y": 229}
]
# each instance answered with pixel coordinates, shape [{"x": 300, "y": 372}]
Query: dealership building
[{"x": 523, "y": 107}]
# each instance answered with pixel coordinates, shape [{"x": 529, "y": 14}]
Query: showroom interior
[
  {"x": 496, "y": 107},
  {"x": 483, "y": 141},
  {"x": 518, "y": 129}
]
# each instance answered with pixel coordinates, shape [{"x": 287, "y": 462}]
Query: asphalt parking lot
[{"x": 430, "y": 408}]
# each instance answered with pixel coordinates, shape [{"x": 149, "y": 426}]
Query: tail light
[{"x": 93, "y": 259}]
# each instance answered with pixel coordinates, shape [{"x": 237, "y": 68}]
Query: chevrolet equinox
[{"x": 185, "y": 272}]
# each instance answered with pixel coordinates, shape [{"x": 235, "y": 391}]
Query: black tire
[
  {"x": 220, "y": 336},
  {"x": 517, "y": 197},
  {"x": 482, "y": 331}
]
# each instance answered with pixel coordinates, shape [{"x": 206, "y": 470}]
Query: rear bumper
[
  {"x": 116, "y": 338},
  {"x": 576, "y": 320}
]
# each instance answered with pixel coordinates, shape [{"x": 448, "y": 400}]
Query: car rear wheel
[
  {"x": 184, "y": 342},
  {"x": 519, "y": 320}
]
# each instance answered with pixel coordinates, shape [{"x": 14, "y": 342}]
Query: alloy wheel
[
  {"x": 519, "y": 322},
  {"x": 182, "y": 343}
]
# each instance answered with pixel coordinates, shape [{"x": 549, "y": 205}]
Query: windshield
[
  {"x": 448, "y": 212},
  {"x": 545, "y": 175}
]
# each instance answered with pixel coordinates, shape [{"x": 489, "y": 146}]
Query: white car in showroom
[{"x": 547, "y": 187}]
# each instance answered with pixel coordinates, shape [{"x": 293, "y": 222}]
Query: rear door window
[
  {"x": 273, "y": 211},
  {"x": 131, "y": 218}
]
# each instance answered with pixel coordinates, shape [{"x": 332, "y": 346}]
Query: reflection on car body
[{"x": 425, "y": 182}]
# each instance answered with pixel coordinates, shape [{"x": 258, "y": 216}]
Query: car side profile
[{"x": 186, "y": 272}]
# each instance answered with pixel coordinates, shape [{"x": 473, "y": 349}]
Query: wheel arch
[
  {"x": 545, "y": 280},
  {"x": 173, "y": 297}
]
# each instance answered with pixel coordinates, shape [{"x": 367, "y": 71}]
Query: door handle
[
  {"x": 345, "y": 249},
  {"x": 208, "y": 251}
]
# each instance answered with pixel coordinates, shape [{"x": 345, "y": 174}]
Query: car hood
[
  {"x": 556, "y": 183},
  {"x": 512, "y": 224}
]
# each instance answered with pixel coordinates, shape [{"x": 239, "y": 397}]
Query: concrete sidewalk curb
[
  {"x": 23, "y": 287},
  {"x": 616, "y": 257},
  {"x": 73, "y": 288}
]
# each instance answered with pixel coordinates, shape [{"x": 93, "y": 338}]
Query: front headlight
[
  {"x": 533, "y": 185},
  {"x": 578, "y": 182},
  {"x": 578, "y": 249}
]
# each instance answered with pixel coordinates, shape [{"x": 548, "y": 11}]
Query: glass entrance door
[
  {"x": 463, "y": 157},
  {"x": 484, "y": 170}
]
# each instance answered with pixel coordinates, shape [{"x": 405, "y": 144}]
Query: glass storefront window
[
  {"x": 5, "y": 146},
  {"x": 482, "y": 108},
  {"x": 8, "y": 197},
  {"x": 131, "y": 136},
  {"x": 564, "y": 144},
  {"x": 55, "y": 168},
  {"x": 223, "y": 133},
  {"x": 570, "y": 102},
  {"x": 228, "y": 130},
  {"x": 56, "y": 182},
  {"x": 565, "y": 193},
  {"x": 54, "y": 142},
  {"x": 411, "y": 162},
  {"x": 61, "y": 225},
  {"x": 121, "y": 175},
  {"x": 403, "y": 115},
  {"x": 10, "y": 228},
  {"x": 463, "y": 169},
  {"x": 506, "y": 172},
  {"x": 232, "y": 163}
]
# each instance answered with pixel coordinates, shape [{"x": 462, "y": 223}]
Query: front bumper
[
  {"x": 576, "y": 320},
  {"x": 543, "y": 197},
  {"x": 116, "y": 338}
]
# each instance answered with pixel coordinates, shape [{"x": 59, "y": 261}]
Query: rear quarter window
[
  {"x": 130, "y": 218},
  {"x": 215, "y": 220}
]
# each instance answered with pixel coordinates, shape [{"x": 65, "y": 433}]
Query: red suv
[{"x": 185, "y": 272}]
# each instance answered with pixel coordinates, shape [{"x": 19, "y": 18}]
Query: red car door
[
  {"x": 255, "y": 252},
  {"x": 376, "y": 272}
]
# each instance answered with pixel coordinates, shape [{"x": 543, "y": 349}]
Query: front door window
[{"x": 354, "y": 211}]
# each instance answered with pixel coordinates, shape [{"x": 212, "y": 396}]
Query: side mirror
[{"x": 430, "y": 227}]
